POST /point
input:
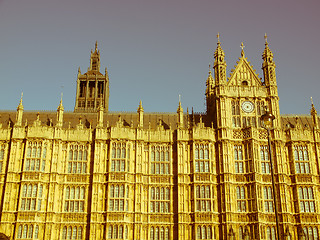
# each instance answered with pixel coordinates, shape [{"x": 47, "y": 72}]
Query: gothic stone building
[{"x": 94, "y": 174}]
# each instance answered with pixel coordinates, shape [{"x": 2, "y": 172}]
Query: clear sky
[{"x": 154, "y": 50}]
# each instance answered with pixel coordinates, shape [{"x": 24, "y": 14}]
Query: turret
[
  {"x": 314, "y": 115},
  {"x": 219, "y": 64},
  {"x": 60, "y": 110},
  {"x": 19, "y": 113},
  {"x": 95, "y": 59},
  {"x": 268, "y": 65},
  {"x": 140, "y": 115},
  {"x": 92, "y": 86},
  {"x": 100, "y": 116},
  {"x": 180, "y": 115}
]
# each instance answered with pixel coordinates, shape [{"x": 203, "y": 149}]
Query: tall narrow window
[
  {"x": 301, "y": 159},
  {"x": 31, "y": 197},
  {"x": 235, "y": 113},
  {"x": 264, "y": 157},
  {"x": 241, "y": 202},
  {"x": 201, "y": 157},
  {"x": 203, "y": 198},
  {"x": 268, "y": 199},
  {"x": 119, "y": 157},
  {"x": 160, "y": 160},
  {"x": 35, "y": 157},
  {"x": 74, "y": 199},
  {"x": 118, "y": 198},
  {"x": 77, "y": 162},
  {"x": 306, "y": 198},
  {"x": 2, "y": 148},
  {"x": 160, "y": 199},
  {"x": 238, "y": 157}
]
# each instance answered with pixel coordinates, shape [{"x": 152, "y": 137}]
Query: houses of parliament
[{"x": 95, "y": 174}]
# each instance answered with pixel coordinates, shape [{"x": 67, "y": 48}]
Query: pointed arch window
[
  {"x": 203, "y": 198},
  {"x": 74, "y": 199},
  {"x": 118, "y": 198},
  {"x": 268, "y": 199},
  {"x": 301, "y": 158},
  {"x": 77, "y": 160},
  {"x": 120, "y": 157},
  {"x": 160, "y": 160},
  {"x": 36, "y": 154},
  {"x": 238, "y": 157},
  {"x": 28, "y": 231},
  {"x": 264, "y": 157},
  {"x": 31, "y": 197},
  {"x": 159, "y": 199},
  {"x": 201, "y": 157},
  {"x": 306, "y": 197},
  {"x": 241, "y": 200}
]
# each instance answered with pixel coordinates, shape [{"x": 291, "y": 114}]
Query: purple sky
[{"x": 154, "y": 50}]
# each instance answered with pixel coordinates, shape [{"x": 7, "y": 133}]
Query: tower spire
[
  {"x": 60, "y": 110},
  {"x": 314, "y": 115},
  {"x": 268, "y": 64},
  {"x": 219, "y": 64},
  {"x": 19, "y": 112},
  {"x": 140, "y": 111}
]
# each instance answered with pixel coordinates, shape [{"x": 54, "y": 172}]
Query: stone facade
[{"x": 94, "y": 174}]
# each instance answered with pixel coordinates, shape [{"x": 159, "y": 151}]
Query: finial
[
  {"x": 266, "y": 39},
  {"x": 61, "y": 97},
  {"x": 242, "y": 47},
  {"x": 218, "y": 37},
  {"x": 79, "y": 71},
  {"x": 20, "y": 104},
  {"x": 96, "y": 48},
  {"x": 209, "y": 69},
  {"x": 311, "y": 101}
]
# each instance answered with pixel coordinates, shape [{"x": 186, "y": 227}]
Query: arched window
[
  {"x": 110, "y": 232},
  {"x": 120, "y": 232},
  {"x": 167, "y": 234},
  {"x": 199, "y": 232},
  {"x": 151, "y": 233},
  {"x": 20, "y": 231}
]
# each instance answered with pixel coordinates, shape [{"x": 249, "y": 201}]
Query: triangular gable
[{"x": 244, "y": 74}]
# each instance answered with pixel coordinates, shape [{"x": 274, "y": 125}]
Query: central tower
[{"x": 92, "y": 86}]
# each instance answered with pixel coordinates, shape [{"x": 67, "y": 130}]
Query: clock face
[{"x": 247, "y": 106}]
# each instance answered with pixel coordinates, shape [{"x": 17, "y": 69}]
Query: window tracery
[
  {"x": 159, "y": 233},
  {"x": 31, "y": 197},
  {"x": 119, "y": 198},
  {"x": 203, "y": 198},
  {"x": 118, "y": 232},
  {"x": 238, "y": 157},
  {"x": 28, "y": 232},
  {"x": 159, "y": 200},
  {"x": 241, "y": 199},
  {"x": 120, "y": 154},
  {"x": 72, "y": 232},
  {"x": 36, "y": 156},
  {"x": 160, "y": 159},
  {"x": 306, "y": 199},
  {"x": 204, "y": 232},
  {"x": 78, "y": 158},
  {"x": 201, "y": 156},
  {"x": 268, "y": 199},
  {"x": 74, "y": 199},
  {"x": 301, "y": 158},
  {"x": 265, "y": 161}
]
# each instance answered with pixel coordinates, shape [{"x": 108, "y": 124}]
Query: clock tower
[{"x": 235, "y": 106}]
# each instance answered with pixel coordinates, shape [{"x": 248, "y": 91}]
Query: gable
[{"x": 244, "y": 75}]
